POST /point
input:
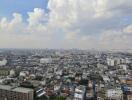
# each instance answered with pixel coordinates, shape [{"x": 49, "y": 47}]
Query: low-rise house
[
  {"x": 116, "y": 94},
  {"x": 80, "y": 93}
]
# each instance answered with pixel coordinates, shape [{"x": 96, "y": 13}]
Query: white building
[
  {"x": 124, "y": 67},
  {"x": 3, "y": 62},
  {"x": 106, "y": 79},
  {"x": 115, "y": 94},
  {"x": 45, "y": 60},
  {"x": 12, "y": 73},
  {"x": 79, "y": 92},
  {"x": 110, "y": 62},
  {"x": 128, "y": 60},
  {"x": 24, "y": 73}
]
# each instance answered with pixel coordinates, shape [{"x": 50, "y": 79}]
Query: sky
[{"x": 67, "y": 24}]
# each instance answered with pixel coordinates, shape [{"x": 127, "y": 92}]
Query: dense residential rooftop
[{"x": 67, "y": 74}]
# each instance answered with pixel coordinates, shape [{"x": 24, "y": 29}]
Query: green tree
[{"x": 59, "y": 98}]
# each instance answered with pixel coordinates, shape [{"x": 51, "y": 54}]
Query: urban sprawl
[{"x": 43, "y": 74}]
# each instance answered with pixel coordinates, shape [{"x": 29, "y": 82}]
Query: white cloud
[
  {"x": 11, "y": 25},
  {"x": 118, "y": 39},
  {"x": 37, "y": 17},
  {"x": 128, "y": 29},
  {"x": 71, "y": 24}
]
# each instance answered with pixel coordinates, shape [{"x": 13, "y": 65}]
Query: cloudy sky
[{"x": 85, "y": 24}]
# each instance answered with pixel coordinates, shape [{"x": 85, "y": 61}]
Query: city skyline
[{"x": 84, "y": 24}]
